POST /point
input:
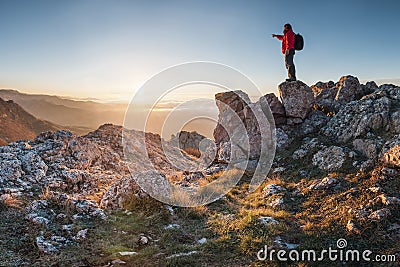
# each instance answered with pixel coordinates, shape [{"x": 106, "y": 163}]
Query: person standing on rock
[{"x": 288, "y": 40}]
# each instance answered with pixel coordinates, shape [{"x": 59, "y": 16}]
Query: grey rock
[
  {"x": 330, "y": 158},
  {"x": 297, "y": 98},
  {"x": 348, "y": 89},
  {"x": 325, "y": 183},
  {"x": 390, "y": 153},
  {"x": 358, "y": 118}
]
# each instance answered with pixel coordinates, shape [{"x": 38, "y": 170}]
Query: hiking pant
[{"x": 289, "y": 55}]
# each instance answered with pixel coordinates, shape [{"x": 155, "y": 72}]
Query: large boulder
[
  {"x": 244, "y": 121},
  {"x": 185, "y": 140},
  {"x": 368, "y": 147},
  {"x": 122, "y": 192},
  {"x": 298, "y": 100},
  {"x": 277, "y": 108},
  {"x": 348, "y": 89},
  {"x": 325, "y": 101},
  {"x": 330, "y": 158},
  {"x": 228, "y": 102},
  {"x": 321, "y": 86}
]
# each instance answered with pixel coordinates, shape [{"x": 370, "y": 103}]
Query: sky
[{"x": 108, "y": 49}]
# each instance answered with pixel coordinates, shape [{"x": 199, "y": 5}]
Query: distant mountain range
[
  {"x": 80, "y": 116},
  {"x": 17, "y": 124}
]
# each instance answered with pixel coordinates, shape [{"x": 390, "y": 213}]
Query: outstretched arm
[{"x": 279, "y": 37}]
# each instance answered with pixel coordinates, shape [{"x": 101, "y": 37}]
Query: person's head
[{"x": 287, "y": 27}]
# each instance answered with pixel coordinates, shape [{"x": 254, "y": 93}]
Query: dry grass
[
  {"x": 10, "y": 201},
  {"x": 193, "y": 151}
]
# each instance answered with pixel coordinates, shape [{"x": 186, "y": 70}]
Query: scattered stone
[
  {"x": 172, "y": 226},
  {"x": 268, "y": 220},
  {"x": 37, "y": 219},
  {"x": 278, "y": 170},
  {"x": 380, "y": 215},
  {"x": 282, "y": 139},
  {"x": 170, "y": 210},
  {"x": 202, "y": 240},
  {"x": 305, "y": 148},
  {"x": 368, "y": 148},
  {"x": 367, "y": 165},
  {"x": 81, "y": 235},
  {"x": 277, "y": 202},
  {"x": 143, "y": 240},
  {"x": 45, "y": 246},
  {"x": 183, "y": 254},
  {"x": 281, "y": 244},
  {"x": 389, "y": 171},
  {"x": 325, "y": 183},
  {"x": 272, "y": 189},
  {"x": 127, "y": 253},
  {"x": 118, "y": 261},
  {"x": 391, "y": 152}
]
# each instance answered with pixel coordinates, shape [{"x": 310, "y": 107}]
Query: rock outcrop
[
  {"x": 298, "y": 100},
  {"x": 277, "y": 109},
  {"x": 187, "y": 140},
  {"x": 337, "y": 164},
  {"x": 237, "y": 116},
  {"x": 330, "y": 97},
  {"x": 372, "y": 114}
]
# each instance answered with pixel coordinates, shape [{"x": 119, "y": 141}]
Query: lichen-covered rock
[
  {"x": 313, "y": 123},
  {"x": 282, "y": 138},
  {"x": 277, "y": 109},
  {"x": 390, "y": 153},
  {"x": 10, "y": 167},
  {"x": 348, "y": 89},
  {"x": 33, "y": 165},
  {"x": 367, "y": 147},
  {"x": 305, "y": 148},
  {"x": 297, "y": 98},
  {"x": 325, "y": 183},
  {"x": 395, "y": 122},
  {"x": 358, "y": 118},
  {"x": 330, "y": 158},
  {"x": 325, "y": 100},
  {"x": 124, "y": 190},
  {"x": 273, "y": 189}
]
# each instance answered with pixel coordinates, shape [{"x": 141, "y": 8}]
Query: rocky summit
[{"x": 69, "y": 200}]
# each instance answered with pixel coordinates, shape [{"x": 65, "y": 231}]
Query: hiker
[{"x": 288, "y": 39}]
